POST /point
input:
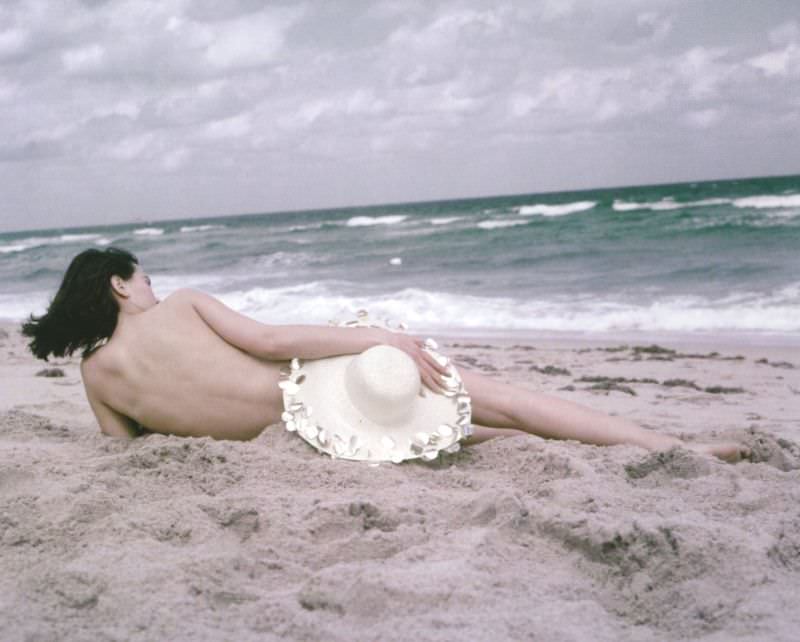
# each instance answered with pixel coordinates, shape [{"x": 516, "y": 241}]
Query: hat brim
[{"x": 323, "y": 415}]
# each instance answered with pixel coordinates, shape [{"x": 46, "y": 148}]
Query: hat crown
[{"x": 382, "y": 383}]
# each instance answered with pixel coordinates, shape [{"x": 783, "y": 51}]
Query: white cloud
[
  {"x": 521, "y": 104},
  {"x": 449, "y": 28},
  {"x": 174, "y": 23},
  {"x": 608, "y": 109},
  {"x": 249, "y": 41},
  {"x": 127, "y": 108},
  {"x": 781, "y": 62},
  {"x": 556, "y": 9},
  {"x": 703, "y": 71},
  {"x": 175, "y": 159},
  {"x": 364, "y": 101},
  {"x": 12, "y": 42},
  {"x": 84, "y": 59},
  {"x": 355, "y": 105},
  {"x": 306, "y": 114},
  {"x": 8, "y": 90},
  {"x": 211, "y": 89},
  {"x": 226, "y": 128},
  {"x": 704, "y": 118},
  {"x": 57, "y": 131},
  {"x": 394, "y": 142},
  {"x": 131, "y": 147},
  {"x": 194, "y": 104},
  {"x": 692, "y": 83},
  {"x": 452, "y": 98},
  {"x": 594, "y": 95}
]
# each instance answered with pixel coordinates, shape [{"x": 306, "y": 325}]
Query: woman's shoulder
[
  {"x": 183, "y": 296},
  {"x": 95, "y": 359}
]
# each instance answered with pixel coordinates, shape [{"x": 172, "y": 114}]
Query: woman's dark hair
[{"x": 84, "y": 310}]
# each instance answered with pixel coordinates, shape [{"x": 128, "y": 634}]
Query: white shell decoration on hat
[{"x": 372, "y": 406}]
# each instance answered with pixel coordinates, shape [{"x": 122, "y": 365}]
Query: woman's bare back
[{"x": 167, "y": 370}]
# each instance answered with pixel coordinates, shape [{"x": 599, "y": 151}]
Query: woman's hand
[{"x": 429, "y": 370}]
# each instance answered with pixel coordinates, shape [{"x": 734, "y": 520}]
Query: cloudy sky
[{"x": 146, "y": 109}]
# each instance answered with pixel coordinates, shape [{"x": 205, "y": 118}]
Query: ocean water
[{"x": 706, "y": 258}]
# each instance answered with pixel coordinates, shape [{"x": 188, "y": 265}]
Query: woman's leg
[{"x": 512, "y": 408}]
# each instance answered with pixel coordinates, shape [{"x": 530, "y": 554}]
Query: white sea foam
[
  {"x": 200, "y": 228},
  {"x": 555, "y": 210},
  {"x": 444, "y": 220},
  {"x": 20, "y": 245},
  {"x": 310, "y": 226},
  {"x": 318, "y": 302},
  {"x": 782, "y": 214},
  {"x": 18, "y": 306},
  {"x": 362, "y": 221},
  {"x": 768, "y": 202},
  {"x": 72, "y": 238},
  {"x": 491, "y": 225},
  {"x": 423, "y": 310},
  {"x": 249, "y": 264},
  {"x": 774, "y": 219},
  {"x": 149, "y": 231},
  {"x": 666, "y": 204}
]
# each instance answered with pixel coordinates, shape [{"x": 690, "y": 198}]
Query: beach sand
[{"x": 517, "y": 538}]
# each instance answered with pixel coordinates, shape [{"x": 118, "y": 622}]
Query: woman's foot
[{"x": 729, "y": 451}]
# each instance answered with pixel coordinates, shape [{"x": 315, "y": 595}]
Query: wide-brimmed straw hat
[{"x": 372, "y": 406}]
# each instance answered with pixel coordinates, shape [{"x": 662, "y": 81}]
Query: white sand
[{"x": 166, "y": 538}]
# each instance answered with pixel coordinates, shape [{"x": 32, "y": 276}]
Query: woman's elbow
[{"x": 270, "y": 346}]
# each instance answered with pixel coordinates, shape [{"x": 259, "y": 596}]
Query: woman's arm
[
  {"x": 279, "y": 342},
  {"x": 319, "y": 341},
  {"x": 282, "y": 342},
  {"x": 316, "y": 341}
]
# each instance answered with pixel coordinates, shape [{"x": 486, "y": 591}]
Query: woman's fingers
[
  {"x": 431, "y": 377},
  {"x": 435, "y": 364},
  {"x": 429, "y": 383},
  {"x": 430, "y": 369},
  {"x": 432, "y": 384},
  {"x": 433, "y": 370}
]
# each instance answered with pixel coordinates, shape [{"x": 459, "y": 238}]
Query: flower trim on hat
[{"x": 425, "y": 445}]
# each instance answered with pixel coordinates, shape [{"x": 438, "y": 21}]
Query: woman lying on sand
[{"x": 191, "y": 366}]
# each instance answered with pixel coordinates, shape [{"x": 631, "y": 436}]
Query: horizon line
[{"x": 393, "y": 204}]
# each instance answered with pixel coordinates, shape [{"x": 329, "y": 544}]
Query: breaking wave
[
  {"x": 444, "y": 220},
  {"x": 491, "y": 225},
  {"x": 747, "y": 202},
  {"x": 768, "y": 202},
  {"x": 555, "y": 210},
  {"x": 363, "y": 221},
  {"x": 666, "y": 204},
  {"x": 201, "y": 228},
  {"x": 21, "y": 245},
  {"x": 425, "y": 310}
]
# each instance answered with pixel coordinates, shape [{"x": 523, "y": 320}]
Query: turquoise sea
[{"x": 717, "y": 257}]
